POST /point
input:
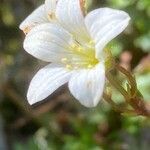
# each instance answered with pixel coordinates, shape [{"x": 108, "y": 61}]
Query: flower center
[{"x": 81, "y": 56}]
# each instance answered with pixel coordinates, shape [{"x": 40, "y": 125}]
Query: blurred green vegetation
[{"x": 60, "y": 122}]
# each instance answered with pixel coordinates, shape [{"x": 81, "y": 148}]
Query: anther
[
  {"x": 64, "y": 60},
  {"x": 51, "y": 15},
  {"x": 73, "y": 45},
  {"x": 90, "y": 66},
  {"x": 79, "y": 49},
  {"x": 26, "y": 30},
  {"x": 91, "y": 42},
  {"x": 69, "y": 67}
]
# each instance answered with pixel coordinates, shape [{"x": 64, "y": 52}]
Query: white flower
[{"x": 60, "y": 33}]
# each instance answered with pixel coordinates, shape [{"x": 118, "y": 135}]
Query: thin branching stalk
[{"x": 132, "y": 96}]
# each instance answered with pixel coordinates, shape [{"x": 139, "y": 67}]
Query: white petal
[
  {"x": 48, "y": 42},
  {"x": 70, "y": 15},
  {"x": 35, "y": 18},
  {"x": 87, "y": 85},
  {"x": 50, "y": 7},
  {"x": 46, "y": 81},
  {"x": 105, "y": 24}
]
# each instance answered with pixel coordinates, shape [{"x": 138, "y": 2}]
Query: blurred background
[{"x": 60, "y": 122}]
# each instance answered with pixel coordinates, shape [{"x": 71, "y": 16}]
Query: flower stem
[
  {"x": 131, "y": 96},
  {"x": 120, "y": 109}
]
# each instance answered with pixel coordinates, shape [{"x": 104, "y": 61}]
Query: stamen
[
  {"x": 69, "y": 67},
  {"x": 27, "y": 29},
  {"x": 79, "y": 49},
  {"x": 51, "y": 16},
  {"x": 73, "y": 46},
  {"x": 90, "y": 66},
  {"x": 91, "y": 42},
  {"x": 64, "y": 60},
  {"x": 82, "y": 56}
]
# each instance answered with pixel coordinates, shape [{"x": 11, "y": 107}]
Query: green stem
[
  {"x": 120, "y": 109},
  {"x": 131, "y": 98}
]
